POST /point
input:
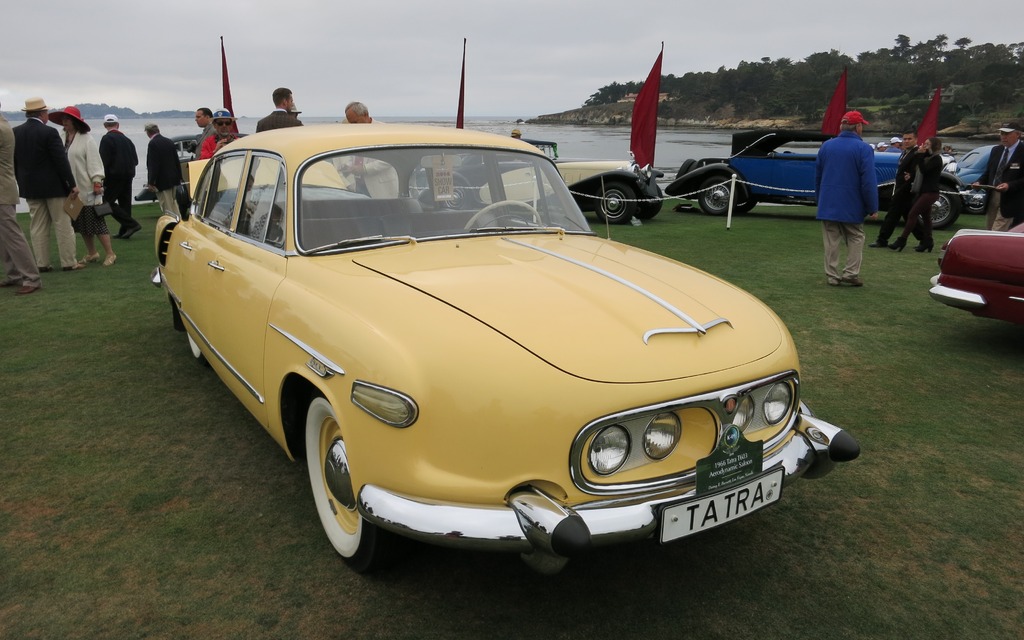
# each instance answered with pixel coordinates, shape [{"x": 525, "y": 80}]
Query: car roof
[
  {"x": 303, "y": 142},
  {"x": 761, "y": 142}
]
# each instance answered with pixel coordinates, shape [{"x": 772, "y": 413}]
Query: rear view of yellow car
[{"x": 423, "y": 315}]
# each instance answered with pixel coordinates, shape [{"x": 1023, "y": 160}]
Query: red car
[{"x": 983, "y": 272}]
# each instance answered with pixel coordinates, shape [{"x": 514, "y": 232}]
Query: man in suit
[
  {"x": 19, "y": 266},
  {"x": 283, "y": 114},
  {"x": 163, "y": 170},
  {"x": 45, "y": 180},
  {"x": 902, "y": 197},
  {"x": 119, "y": 161},
  {"x": 1005, "y": 173}
]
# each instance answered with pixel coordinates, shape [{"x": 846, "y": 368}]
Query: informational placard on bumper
[{"x": 700, "y": 514}]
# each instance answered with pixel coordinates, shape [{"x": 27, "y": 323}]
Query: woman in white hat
[{"x": 87, "y": 167}]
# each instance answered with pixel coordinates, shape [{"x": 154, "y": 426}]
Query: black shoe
[
  {"x": 926, "y": 245},
  {"x": 898, "y": 244},
  {"x": 879, "y": 244},
  {"x": 129, "y": 233}
]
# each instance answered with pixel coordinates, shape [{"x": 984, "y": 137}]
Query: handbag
[
  {"x": 915, "y": 187},
  {"x": 103, "y": 209},
  {"x": 73, "y": 206}
]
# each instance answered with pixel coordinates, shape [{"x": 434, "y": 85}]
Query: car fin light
[{"x": 387, "y": 405}]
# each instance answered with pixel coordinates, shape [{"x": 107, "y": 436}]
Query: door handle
[
  {"x": 215, "y": 265},
  {"x": 185, "y": 245}
]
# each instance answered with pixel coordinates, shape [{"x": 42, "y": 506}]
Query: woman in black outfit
[{"x": 929, "y": 167}]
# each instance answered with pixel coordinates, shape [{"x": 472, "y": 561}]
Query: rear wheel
[
  {"x": 946, "y": 209},
  {"x": 618, "y": 203},
  {"x": 362, "y": 545}
]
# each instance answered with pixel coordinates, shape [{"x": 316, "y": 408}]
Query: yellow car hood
[{"x": 586, "y": 305}]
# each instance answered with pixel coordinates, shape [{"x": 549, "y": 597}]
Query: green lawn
[{"x": 139, "y": 500}]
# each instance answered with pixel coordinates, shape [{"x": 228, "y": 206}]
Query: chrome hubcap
[{"x": 337, "y": 475}]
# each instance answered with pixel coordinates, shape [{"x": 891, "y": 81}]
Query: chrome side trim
[
  {"x": 329, "y": 366},
  {"x": 956, "y": 297},
  {"x": 504, "y": 528},
  {"x": 217, "y": 354},
  {"x": 694, "y": 326}
]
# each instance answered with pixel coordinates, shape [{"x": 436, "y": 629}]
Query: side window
[
  {"x": 225, "y": 179},
  {"x": 262, "y": 215}
]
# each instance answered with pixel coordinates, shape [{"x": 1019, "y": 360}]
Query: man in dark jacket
[
  {"x": 119, "y": 162},
  {"x": 283, "y": 114},
  {"x": 902, "y": 197},
  {"x": 45, "y": 180},
  {"x": 163, "y": 169},
  {"x": 1005, "y": 174}
]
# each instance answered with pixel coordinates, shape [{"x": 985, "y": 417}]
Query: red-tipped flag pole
[
  {"x": 929, "y": 126},
  {"x": 461, "y": 116},
  {"x": 836, "y": 108},
  {"x": 644, "y": 131},
  {"x": 226, "y": 85}
]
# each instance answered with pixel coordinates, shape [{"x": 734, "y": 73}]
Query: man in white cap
[
  {"x": 1005, "y": 174},
  {"x": 45, "y": 181},
  {"x": 119, "y": 162},
  {"x": 895, "y": 145}
]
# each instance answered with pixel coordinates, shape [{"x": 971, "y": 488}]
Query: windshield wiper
[
  {"x": 358, "y": 242},
  {"x": 517, "y": 228}
]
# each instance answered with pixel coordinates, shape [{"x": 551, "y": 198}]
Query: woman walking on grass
[
  {"x": 87, "y": 167},
  {"x": 926, "y": 192}
]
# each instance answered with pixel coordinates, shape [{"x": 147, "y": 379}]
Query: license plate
[{"x": 693, "y": 516}]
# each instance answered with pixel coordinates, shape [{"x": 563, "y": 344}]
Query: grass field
[{"x": 139, "y": 500}]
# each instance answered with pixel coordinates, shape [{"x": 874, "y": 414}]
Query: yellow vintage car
[{"x": 423, "y": 315}]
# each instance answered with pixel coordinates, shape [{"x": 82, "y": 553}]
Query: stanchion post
[{"x": 732, "y": 199}]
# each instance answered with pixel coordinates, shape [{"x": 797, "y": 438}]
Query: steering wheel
[{"x": 512, "y": 204}]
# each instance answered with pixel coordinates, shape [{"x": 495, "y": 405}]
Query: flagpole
[{"x": 460, "y": 117}]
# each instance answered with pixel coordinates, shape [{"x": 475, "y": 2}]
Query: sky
[{"x": 402, "y": 58}]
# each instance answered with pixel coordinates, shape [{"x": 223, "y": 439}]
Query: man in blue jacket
[{"x": 847, "y": 190}]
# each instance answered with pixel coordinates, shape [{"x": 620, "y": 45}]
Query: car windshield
[{"x": 422, "y": 193}]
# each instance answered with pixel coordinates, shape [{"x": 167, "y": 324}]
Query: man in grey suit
[
  {"x": 19, "y": 267},
  {"x": 284, "y": 113},
  {"x": 45, "y": 180}
]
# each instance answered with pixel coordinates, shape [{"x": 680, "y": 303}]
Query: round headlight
[
  {"x": 662, "y": 435},
  {"x": 744, "y": 412},
  {"x": 777, "y": 402},
  {"x": 609, "y": 450}
]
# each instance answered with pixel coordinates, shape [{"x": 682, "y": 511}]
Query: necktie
[{"x": 1002, "y": 166}]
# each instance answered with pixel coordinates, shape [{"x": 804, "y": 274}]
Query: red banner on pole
[
  {"x": 226, "y": 85},
  {"x": 836, "y": 108},
  {"x": 461, "y": 116},
  {"x": 929, "y": 126},
  {"x": 645, "y": 116}
]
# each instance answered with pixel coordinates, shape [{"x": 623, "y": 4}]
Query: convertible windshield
[{"x": 429, "y": 192}]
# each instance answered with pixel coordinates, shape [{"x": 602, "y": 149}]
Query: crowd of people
[{"x": 847, "y": 193}]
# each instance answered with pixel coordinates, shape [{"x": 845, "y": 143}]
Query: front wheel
[
  {"x": 362, "y": 545},
  {"x": 714, "y": 196},
  {"x": 618, "y": 203}
]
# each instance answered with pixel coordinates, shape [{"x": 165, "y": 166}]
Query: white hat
[
  {"x": 110, "y": 118},
  {"x": 895, "y": 140},
  {"x": 881, "y": 145}
]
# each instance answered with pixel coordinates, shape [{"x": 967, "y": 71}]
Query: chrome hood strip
[{"x": 694, "y": 326}]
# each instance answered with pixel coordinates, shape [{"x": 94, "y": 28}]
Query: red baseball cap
[{"x": 854, "y": 117}]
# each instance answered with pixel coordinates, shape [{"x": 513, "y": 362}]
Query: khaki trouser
[
  {"x": 833, "y": 234},
  {"x": 994, "y": 221},
  {"x": 168, "y": 203},
  {"x": 47, "y": 213}
]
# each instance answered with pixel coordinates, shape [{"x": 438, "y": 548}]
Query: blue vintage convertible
[{"x": 778, "y": 166}]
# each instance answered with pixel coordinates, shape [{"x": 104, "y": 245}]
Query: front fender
[
  {"x": 594, "y": 184},
  {"x": 693, "y": 180}
]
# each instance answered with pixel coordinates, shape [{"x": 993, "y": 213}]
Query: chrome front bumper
[{"x": 538, "y": 526}]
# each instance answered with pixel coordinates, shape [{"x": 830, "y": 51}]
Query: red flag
[
  {"x": 226, "y": 85},
  {"x": 930, "y": 124},
  {"x": 836, "y": 108},
  {"x": 645, "y": 116},
  {"x": 460, "y": 118}
]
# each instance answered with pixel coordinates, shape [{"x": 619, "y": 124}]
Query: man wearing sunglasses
[{"x": 223, "y": 133}]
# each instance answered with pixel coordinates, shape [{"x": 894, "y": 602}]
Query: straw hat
[{"x": 35, "y": 104}]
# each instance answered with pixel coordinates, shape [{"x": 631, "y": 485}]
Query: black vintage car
[{"x": 778, "y": 166}]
